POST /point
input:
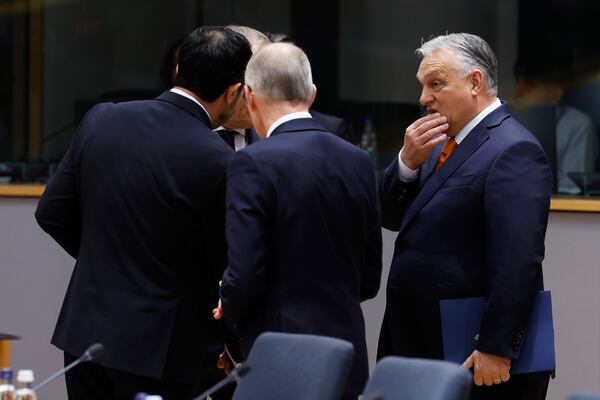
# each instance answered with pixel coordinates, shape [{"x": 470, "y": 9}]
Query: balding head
[
  {"x": 280, "y": 72},
  {"x": 257, "y": 39}
]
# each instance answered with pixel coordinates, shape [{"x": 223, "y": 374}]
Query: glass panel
[{"x": 59, "y": 57}]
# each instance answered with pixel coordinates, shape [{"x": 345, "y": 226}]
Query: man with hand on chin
[{"x": 469, "y": 195}]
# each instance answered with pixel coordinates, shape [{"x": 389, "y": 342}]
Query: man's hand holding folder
[
  {"x": 461, "y": 322},
  {"x": 488, "y": 369}
]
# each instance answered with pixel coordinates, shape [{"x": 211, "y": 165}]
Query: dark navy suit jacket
[
  {"x": 138, "y": 200},
  {"x": 303, "y": 226},
  {"x": 475, "y": 227}
]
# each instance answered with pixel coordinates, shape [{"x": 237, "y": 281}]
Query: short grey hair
[
  {"x": 280, "y": 72},
  {"x": 257, "y": 39},
  {"x": 471, "y": 52}
]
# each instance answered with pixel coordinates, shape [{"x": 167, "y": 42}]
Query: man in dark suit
[
  {"x": 302, "y": 218},
  {"x": 138, "y": 201},
  {"x": 336, "y": 125},
  {"x": 238, "y": 131},
  {"x": 469, "y": 194}
]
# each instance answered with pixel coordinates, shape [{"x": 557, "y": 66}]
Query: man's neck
[
  {"x": 483, "y": 103},
  {"x": 275, "y": 112},
  {"x": 208, "y": 107}
]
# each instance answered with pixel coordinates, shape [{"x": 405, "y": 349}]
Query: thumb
[{"x": 469, "y": 362}]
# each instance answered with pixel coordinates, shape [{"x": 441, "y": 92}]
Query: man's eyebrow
[{"x": 427, "y": 75}]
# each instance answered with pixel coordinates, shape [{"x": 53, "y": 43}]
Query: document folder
[{"x": 461, "y": 320}]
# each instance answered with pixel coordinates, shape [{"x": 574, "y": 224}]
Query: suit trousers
[{"x": 90, "y": 381}]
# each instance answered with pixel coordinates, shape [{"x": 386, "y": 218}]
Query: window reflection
[{"x": 59, "y": 57}]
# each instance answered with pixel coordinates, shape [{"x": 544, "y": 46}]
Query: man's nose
[{"x": 426, "y": 97}]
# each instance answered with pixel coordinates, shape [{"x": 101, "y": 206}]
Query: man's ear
[
  {"x": 477, "y": 82},
  {"x": 233, "y": 92},
  {"x": 250, "y": 100},
  {"x": 313, "y": 95}
]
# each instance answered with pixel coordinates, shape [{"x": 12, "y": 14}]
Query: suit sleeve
[
  {"x": 394, "y": 196},
  {"x": 249, "y": 223},
  {"x": 371, "y": 274},
  {"x": 58, "y": 212},
  {"x": 516, "y": 206},
  {"x": 214, "y": 234}
]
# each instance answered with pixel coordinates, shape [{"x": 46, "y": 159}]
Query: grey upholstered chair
[
  {"x": 584, "y": 396},
  {"x": 296, "y": 367},
  {"x": 417, "y": 379}
]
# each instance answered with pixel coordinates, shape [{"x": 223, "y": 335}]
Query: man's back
[
  {"x": 146, "y": 180},
  {"x": 308, "y": 201}
]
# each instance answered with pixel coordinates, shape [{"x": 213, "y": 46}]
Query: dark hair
[{"x": 211, "y": 59}]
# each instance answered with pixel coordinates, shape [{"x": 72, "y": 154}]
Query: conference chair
[
  {"x": 584, "y": 396},
  {"x": 417, "y": 379},
  {"x": 295, "y": 367}
]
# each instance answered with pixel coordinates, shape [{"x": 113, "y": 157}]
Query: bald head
[{"x": 280, "y": 72}]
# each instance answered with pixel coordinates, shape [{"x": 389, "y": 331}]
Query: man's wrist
[{"x": 406, "y": 173}]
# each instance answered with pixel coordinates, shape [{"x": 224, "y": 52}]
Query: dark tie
[{"x": 228, "y": 137}]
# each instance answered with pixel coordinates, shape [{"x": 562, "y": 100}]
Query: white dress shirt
[
  {"x": 286, "y": 118},
  {"x": 239, "y": 140},
  {"x": 409, "y": 175},
  {"x": 192, "y": 98}
]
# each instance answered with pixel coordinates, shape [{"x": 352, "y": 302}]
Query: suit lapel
[
  {"x": 187, "y": 105},
  {"x": 432, "y": 181}
]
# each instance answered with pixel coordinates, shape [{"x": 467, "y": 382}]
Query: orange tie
[{"x": 449, "y": 147}]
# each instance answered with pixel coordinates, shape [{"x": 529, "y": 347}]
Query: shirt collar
[
  {"x": 286, "y": 118},
  {"x": 469, "y": 127},
  {"x": 241, "y": 131},
  {"x": 192, "y": 98}
]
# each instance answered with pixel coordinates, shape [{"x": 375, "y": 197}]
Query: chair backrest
[
  {"x": 296, "y": 367},
  {"x": 418, "y": 379},
  {"x": 584, "y": 396}
]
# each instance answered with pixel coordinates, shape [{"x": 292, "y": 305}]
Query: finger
[
  {"x": 488, "y": 381},
  {"x": 422, "y": 129},
  {"x": 468, "y": 364},
  {"x": 477, "y": 378},
  {"x": 432, "y": 133},
  {"x": 432, "y": 123},
  {"x": 434, "y": 142},
  {"x": 505, "y": 376},
  {"x": 422, "y": 120}
]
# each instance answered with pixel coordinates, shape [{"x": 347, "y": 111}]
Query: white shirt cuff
[{"x": 406, "y": 174}]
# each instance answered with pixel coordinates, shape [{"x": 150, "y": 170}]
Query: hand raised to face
[{"x": 421, "y": 137}]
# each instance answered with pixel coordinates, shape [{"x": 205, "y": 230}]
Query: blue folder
[{"x": 461, "y": 320}]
